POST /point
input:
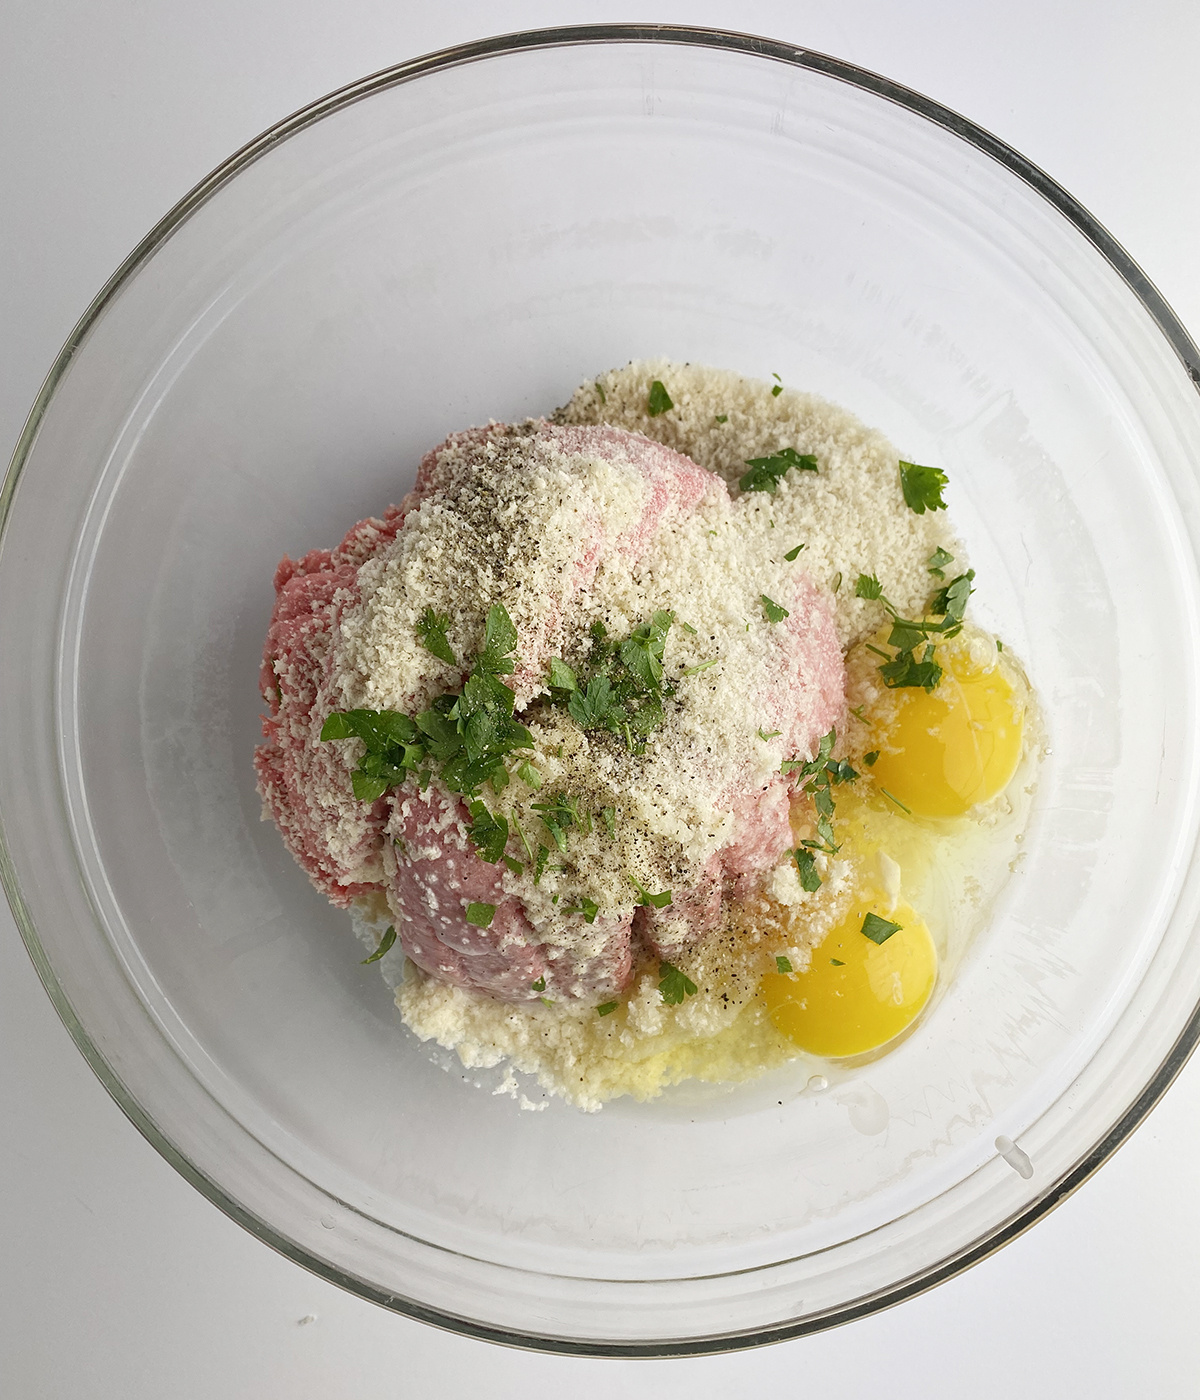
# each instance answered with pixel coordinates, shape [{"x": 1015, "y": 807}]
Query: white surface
[{"x": 119, "y": 1279}]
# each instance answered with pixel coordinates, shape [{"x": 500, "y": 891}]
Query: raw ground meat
[
  {"x": 438, "y": 874},
  {"x": 413, "y": 846}
]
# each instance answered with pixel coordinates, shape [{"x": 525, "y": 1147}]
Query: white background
[{"x": 117, "y": 1279}]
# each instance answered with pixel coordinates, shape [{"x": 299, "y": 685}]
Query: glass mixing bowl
[{"x": 467, "y": 237}]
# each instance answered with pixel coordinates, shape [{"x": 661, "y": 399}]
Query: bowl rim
[{"x": 458, "y": 55}]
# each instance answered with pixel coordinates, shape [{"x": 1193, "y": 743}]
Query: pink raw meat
[
  {"x": 438, "y": 874},
  {"x": 305, "y": 784},
  {"x": 433, "y": 873}
]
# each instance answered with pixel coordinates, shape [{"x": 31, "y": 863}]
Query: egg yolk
[
  {"x": 856, "y": 994},
  {"x": 956, "y": 746}
]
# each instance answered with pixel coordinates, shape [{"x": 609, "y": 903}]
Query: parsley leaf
[
  {"x": 385, "y": 943},
  {"x": 774, "y": 734},
  {"x": 793, "y": 554},
  {"x": 892, "y": 797},
  {"x": 600, "y": 394},
  {"x": 951, "y": 602},
  {"x": 766, "y": 473},
  {"x": 481, "y": 915},
  {"x": 488, "y": 832},
  {"x": 868, "y": 586},
  {"x": 607, "y": 1008},
  {"x": 539, "y": 985},
  {"x": 367, "y": 788},
  {"x": 777, "y": 387},
  {"x": 651, "y": 901},
  {"x": 622, "y": 687},
  {"x": 836, "y": 962},
  {"x": 869, "y": 758},
  {"x": 879, "y": 930},
  {"x": 771, "y": 609},
  {"x": 558, "y": 817},
  {"x": 588, "y": 708},
  {"x": 806, "y": 865},
  {"x": 782, "y": 964},
  {"x": 922, "y": 487},
  {"x": 609, "y": 815},
  {"x": 561, "y": 675},
  {"x": 499, "y": 640},
  {"x": 937, "y": 562},
  {"x": 905, "y": 670},
  {"x": 432, "y": 631},
  {"x": 722, "y": 417},
  {"x": 659, "y": 401},
  {"x": 673, "y": 985}
]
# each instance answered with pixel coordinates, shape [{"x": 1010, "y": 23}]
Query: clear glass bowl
[{"x": 467, "y": 237}]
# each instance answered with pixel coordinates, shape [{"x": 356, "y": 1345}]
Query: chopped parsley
[
  {"x": 385, "y": 943},
  {"x": 600, "y": 394},
  {"x": 659, "y": 401},
  {"x": 609, "y": 817},
  {"x": 589, "y": 707},
  {"x": 774, "y": 734},
  {"x": 793, "y": 554},
  {"x": 879, "y": 930},
  {"x": 695, "y": 670},
  {"x": 651, "y": 901},
  {"x": 904, "y": 670},
  {"x": 673, "y": 985},
  {"x": 624, "y": 688},
  {"x": 837, "y": 582},
  {"x": 822, "y": 772},
  {"x": 937, "y": 561},
  {"x": 529, "y": 774},
  {"x": 951, "y": 602},
  {"x": 999, "y": 644},
  {"x": 561, "y": 676},
  {"x": 464, "y": 737},
  {"x": 481, "y": 915},
  {"x": 432, "y": 631},
  {"x": 947, "y": 608},
  {"x": 868, "y": 586},
  {"x": 608, "y": 1008},
  {"x": 806, "y": 865},
  {"x": 891, "y": 796},
  {"x": 836, "y": 962},
  {"x": 722, "y": 417},
  {"x": 777, "y": 387},
  {"x": 587, "y": 907},
  {"x": 869, "y": 758},
  {"x": 488, "y": 832},
  {"x": 766, "y": 473},
  {"x": 771, "y": 609},
  {"x": 539, "y": 985},
  {"x": 922, "y": 487},
  {"x": 558, "y": 816},
  {"x": 782, "y": 964}
]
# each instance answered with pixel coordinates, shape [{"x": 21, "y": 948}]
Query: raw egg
[
  {"x": 943, "y": 752},
  {"x": 857, "y": 993}
]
